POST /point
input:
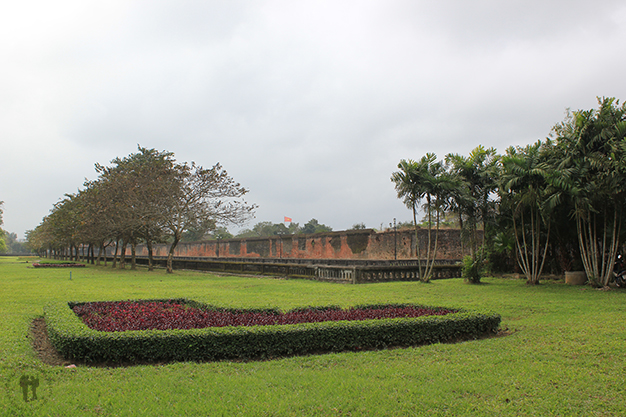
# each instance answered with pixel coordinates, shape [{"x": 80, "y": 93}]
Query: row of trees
[
  {"x": 146, "y": 197},
  {"x": 458, "y": 184},
  {"x": 537, "y": 199}
]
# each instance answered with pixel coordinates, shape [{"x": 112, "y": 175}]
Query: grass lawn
[{"x": 566, "y": 354}]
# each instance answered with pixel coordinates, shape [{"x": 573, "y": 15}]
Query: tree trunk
[
  {"x": 150, "y": 261},
  {"x": 123, "y": 254},
  {"x": 114, "y": 263},
  {"x": 530, "y": 260},
  {"x": 434, "y": 254},
  {"x": 133, "y": 255},
  {"x": 461, "y": 233},
  {"x": 170, "y": 255},
  {"x": 430, "y": 216},
  {"x": 597, "y": 258},
  {"x": 417, "y": 245}
]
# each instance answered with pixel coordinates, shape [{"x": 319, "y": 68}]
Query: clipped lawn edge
[{"x": 74, "y": 340}]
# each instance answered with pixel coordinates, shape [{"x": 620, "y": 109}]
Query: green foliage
[
  {"x": 144, "y": 197},
  {"x": 405, "y": 225},
  {"x": 203, "y": 230},
  {"x": 14, "y": 246},
  {"x": 471, "y": 201},
  {"x": 75, "y": 340},
  {"x": 263, "y": 229},
  {"x": 475, "y": 267},
  {"x": 426, "y": 180},
  {"x": 3, "y": 246},
  {"x": 313, "y": 226},
  {"x": 447, "y": 220},
  {"x": 525, "y": 192},
  {"x": 501, "y": 252},
  {"x": 589, "y": 177},
  {"x": 219, "y": 232}
]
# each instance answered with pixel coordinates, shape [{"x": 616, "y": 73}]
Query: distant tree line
[
  {"x": 146, "y": 197},
  {"x": 13, "y": 245},
  {"x": 558, "y": 201},
  {"x": 263, "y": 229},
  {"x": 8, "y": 241},
  {"x": 3, "y": 245}
]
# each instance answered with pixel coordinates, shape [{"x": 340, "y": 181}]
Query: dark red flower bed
[
  {"x": 144, "y": 315},
  {"x": 63, "y": 265}
]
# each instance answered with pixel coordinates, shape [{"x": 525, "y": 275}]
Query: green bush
[
  {"x": 74, "y": 340},
  {"x": 474, "y": 268}
]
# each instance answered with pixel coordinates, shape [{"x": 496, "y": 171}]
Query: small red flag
[{"x": 287, "y": 219}]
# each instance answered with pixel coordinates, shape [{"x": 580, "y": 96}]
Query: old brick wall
[{"x": 349, "y": 244}]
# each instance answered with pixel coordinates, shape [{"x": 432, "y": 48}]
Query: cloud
[{"x": 309, "y": 104}]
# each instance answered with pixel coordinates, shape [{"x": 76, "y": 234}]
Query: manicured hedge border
[
  {"x": 74, "y": 340},
  {"x": 61, "y": 265}
]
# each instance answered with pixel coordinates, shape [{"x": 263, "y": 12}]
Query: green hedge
[{"x": 74, "y": 340}]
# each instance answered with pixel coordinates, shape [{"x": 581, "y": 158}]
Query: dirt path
[{"x": 46, "y": 352}]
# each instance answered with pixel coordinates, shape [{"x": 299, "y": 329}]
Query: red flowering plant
[
  {"x": 187, "y": 330},
  {"x": 168, "y": 315}
]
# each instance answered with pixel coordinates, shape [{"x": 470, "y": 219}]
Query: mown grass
[{"x": 565, "y": 355}]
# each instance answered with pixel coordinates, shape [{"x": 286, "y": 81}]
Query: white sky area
[{"x": 308, "y": 104}]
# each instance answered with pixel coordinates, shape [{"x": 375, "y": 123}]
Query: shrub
[
  {"x": 74, "y": 340},
  {"x": 57, "y": 265},
  {"x": 114, "y": 316},
  {"x": 474, "y": 268}
]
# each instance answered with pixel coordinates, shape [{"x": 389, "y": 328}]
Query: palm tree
[
  {"x": 590, "y": 160},
  {"x": 476, "y": 174},
  {"x": 524, "y": 191},
  {"x": 424, "y": 180},
  {"x": 410, "y": 190}
]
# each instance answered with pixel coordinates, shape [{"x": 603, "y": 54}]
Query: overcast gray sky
[{"x": 309, "y": 104}]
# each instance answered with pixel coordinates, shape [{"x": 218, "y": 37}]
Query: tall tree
[
  {"x": 409, "y": 189},
  {"x": 142, "y": 187},
  {"x": 477, "y": 175},
  {"x": 590, "y": 161},
  {"x": 524, "y": 191},
  {"x": 64, "y": 226},
  {"x": 426, "y": 180},
  {"x": 199, "y": 194},
  {"x": 97, "y": 217},
  {"x": 39, "y": 240}
]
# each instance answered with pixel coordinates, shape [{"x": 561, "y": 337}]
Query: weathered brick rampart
[{"x": 349, "y": 244}]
